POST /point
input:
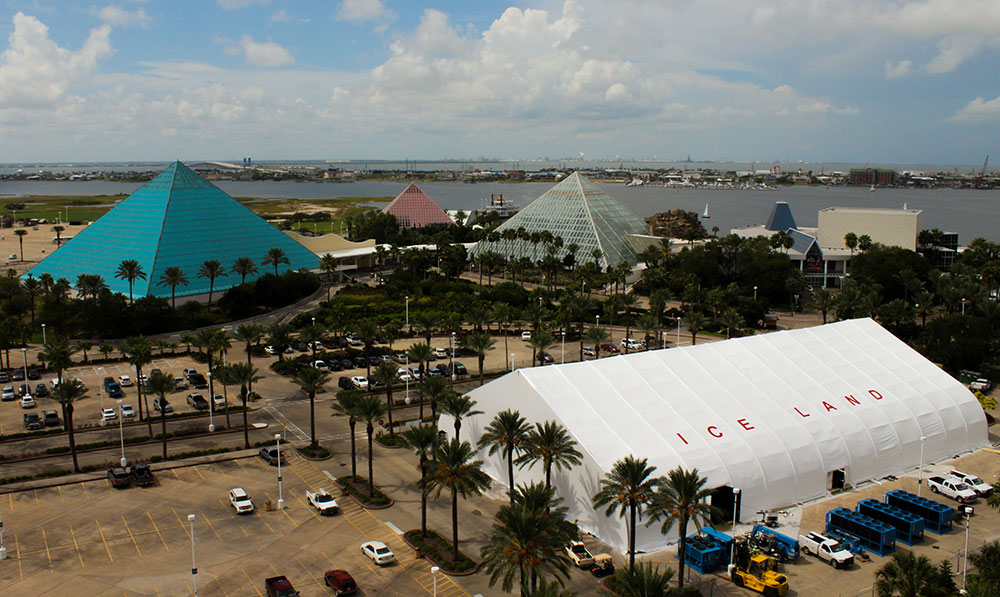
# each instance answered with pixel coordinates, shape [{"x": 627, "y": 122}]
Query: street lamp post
[
  {"x": 754, "y": 293},
  {"x": 44, "y": 340},
  {"x": 967, "y": 510},
  {"x": 408, "y": 313},
  {"x": 562, "y": 359},
  {"x": 963, "y": 306},
  {"x": 678, "y": 330},
  {"x": 598, "y": 321},
  {"x": 194, "y": 564},
  {"x": 281, "y": 499},
  {"x": 407, "y": 357},
  {"x": 513, "y": 363},
  {"x": 663, "y": 339},
  {"x": 121, "y": 433},
  {"x": 920, "y": 473},
  {"x": 451, "y": 355},
  {"x": 24, "y": 355},
  {"x": 100, "y": 388},
  {"x": 434, "y": 574},
  {"x": 3, "y": 550},
  {"x": 736, "y": 511}
]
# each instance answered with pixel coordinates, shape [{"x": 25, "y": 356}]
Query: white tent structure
[{"x": 782, "y": 416}]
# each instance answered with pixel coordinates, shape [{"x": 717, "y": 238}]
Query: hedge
[
  {"x": 440, "y": 552},
  {"x": 357, "y": 487}
]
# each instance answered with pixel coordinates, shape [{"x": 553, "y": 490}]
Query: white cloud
[
  {"x": 903, "y": 68},
  {"x": 978, "y": 111},
  {"x": 280, "y": 17},
  {"x": 35, "y": 72},
  {"x": 953, "y": 51},
  {"x": 264, "y": 54},
  {"x": 359, "y": 11},
  {"x": 238, "y": 4},
  {"x": 119, "y": 17}
]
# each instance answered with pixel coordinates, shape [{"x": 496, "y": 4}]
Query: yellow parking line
[
  {"x": 35, "y": 493},
  {"x": 131, "y": 536},
  {"x": 181, "y": 522},
  {"x": 195, "y": 469},
  {"x": 61, "y": 498},
  {"x": 211, "y": 526},
  {"x": 77, "y": 546},
  {"x": 188, "y": 587},
  {"x": 306, "y": 505},
  {"x": 157, "y": 591},
  {"x": 252, "y": 583},
  {"x": 308, "y": 572},
  {"x": 108, "y": 549},
  {"x": 308, "y": 484},
  {"x": 174, "y": 471},
  {"x": 157, "y": 532},
  {"x": 17, "y": 550},
  {"x": 257, "y": 514},
  {"x": 10, "y": 498},
  {"x": 47, "y": 553},
  {"x": 85, "y": 492},
  {"x": 323, "y": 553}
]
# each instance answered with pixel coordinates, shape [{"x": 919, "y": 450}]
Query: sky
[{"x": 878, "y": 81}]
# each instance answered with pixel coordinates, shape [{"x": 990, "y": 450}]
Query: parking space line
[
  {"x": 85, "y": 492},
  {"x": 208, "y": 519},
  {"x": 108, "y": 549},
  {"x": 195, "y": 469},
  {"x": 252, "y": 583},
  {"x": 306, "y": 505},
  {"x": 17, "y": 550},
  {"x": 190, "y": 592},
  {"x": 219, "y": 583},
  {"x": 47, "y": 553},
  {"x": 174, "y": 471},
  {"x": 181, "y": 523},
  {"x": 35, "y": 493},
  {"x": 131, "y": 536},
  {"x": 308, "y": 572},
  {"x": 257, "y": 514},
  {"x": 157, "y": 591},
  {"x": 296, "y": 473},
  {"x": 77, "y": 546},
  {"x": 283, "y": 510},
  {"x": 157, "y": 532},
  {"x": 10, "y": 498},
  {"x": 61, "y": 498}
]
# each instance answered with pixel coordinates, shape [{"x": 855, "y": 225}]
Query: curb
[{"x": 391, "y": 503}]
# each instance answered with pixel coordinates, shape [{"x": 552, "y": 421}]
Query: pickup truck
[
  {"x": 579, "y": 555},
  {"x": 951, "y": 487},
  {"x": 279, "y": 586},
  {"x": 982, "y": 488},
  {"x": 827, "y": 549},
  {"x": 322, "y": 501}
]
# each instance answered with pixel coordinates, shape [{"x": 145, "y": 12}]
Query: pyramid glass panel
[
  {"x": 580, "y": 213},
  {"x": 414, "y": 209},
  {"x": 177, "y": 219}
]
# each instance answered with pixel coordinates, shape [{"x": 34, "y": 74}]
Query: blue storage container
[
  {"x": 909, "y": 527},
  {"x": 871, "y": 534},
  {"x": 937, "y": 517}
]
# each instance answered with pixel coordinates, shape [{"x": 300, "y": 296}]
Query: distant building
[
  {"x": 414, "y": 209},
  {"x": 872, "y": 176}
]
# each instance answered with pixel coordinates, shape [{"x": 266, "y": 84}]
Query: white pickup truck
[
  {"x": 982, "y": 488},
  {"x": 579, "y": 555},
  {"x": 322, "y": 501},
  {"x": 827, "y": 549},
  {"x": 952, "y": 487}
]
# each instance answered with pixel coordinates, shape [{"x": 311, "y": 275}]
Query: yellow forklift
[{"x": 756, "y": 571}]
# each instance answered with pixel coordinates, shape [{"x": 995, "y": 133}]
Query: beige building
[{"x": 890, "y": 227}]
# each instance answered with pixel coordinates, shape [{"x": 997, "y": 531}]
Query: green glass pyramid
[
  {"x": 581, "y": 213},
  {"x": 177, "y": 219}
]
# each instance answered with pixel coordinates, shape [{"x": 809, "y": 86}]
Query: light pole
[
  {"x": 281, "y": 499},
  {"x": 407, "y": 357},
  {"x": 100, "y": 387},
  {"x": 194, "y": 564},
  {"x": 598, "y": 321},
  {"x": 736, "y": 511},
  {"x": 44, "y": 340},
  {"x": 663, "y": 339},
  {"x": 408, "y": 313},
  {"x": 963, "y": 306},
  {"x": 754, "y": 293},
  {"x": 451, "y": 355},
  {"x": 678, "y": 330},
  {"x": 24, "y": 355},
  {"x": 121, "y": 433},
  {"x": 434, "y": 574},
  {"x": 211, "y": 404},
  {"x": 562, "y": 359},
  {"x": 967, "y": 510},
  {"x": 513, "y": 363},
  {"x": 920, "y": 473},
  {"x": 3, "y": 550}
]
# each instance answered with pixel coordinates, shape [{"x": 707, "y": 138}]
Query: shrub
[
  {"x": 315, "y": 452},
  {"x": 439, "y": 551},
  {"x": 357, "y": 487}
]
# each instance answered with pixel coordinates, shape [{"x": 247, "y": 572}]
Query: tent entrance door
[
  {"x": 836, "y": 480},
  {"x": 727, "y": 503}
]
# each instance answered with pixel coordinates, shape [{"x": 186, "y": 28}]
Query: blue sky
[{"x": 818, "y": 80}]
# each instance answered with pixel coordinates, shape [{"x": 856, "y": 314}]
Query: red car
[
  {"x": 609, "y": 348},
  {"x": 341, "y": 582}
]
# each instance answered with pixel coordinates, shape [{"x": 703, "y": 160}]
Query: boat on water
[
  {"x": 504, "y": 208},
  {"x": 706, "y": 216}
]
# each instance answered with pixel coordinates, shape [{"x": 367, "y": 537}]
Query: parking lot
[{"x": 88, "y": 538}]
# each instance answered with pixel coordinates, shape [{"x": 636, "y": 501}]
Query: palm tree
[
  {"x": 243, "y": 375},
  {"x": 279, "y": 337},
  {"x": 347, "y": 406},
  {"x": 454, "y": 469},
  {"x": 851, "y": 242},
  {"x": 173, "y": 277},
  {"x": 540, "y": 342},
  {"x": 643, "y": 580},
  {"x": 275, "y": 257},
  {"x": 650, "y": 327},
  {"x": 823, "y": 301},
  {"x": 211, "y": 269},
  {"x": 627, "y": 487},
  {"x": 369, "y": 410},
  {"x": 130, "y": 270},
  {"x": 436, "y": 390},
  {"x": 550, "y": 444},
  {"x": 162, "y": 385},
  {"x": 426, "y": 323},
  {"x": 387, "y": 373},
  {"x": 328, "y": 263},
  {"x": 732, "y": 320},
  {"x": 58, "y": 354},
  {"x": 694, "y": 322},
  {"x": 507, "y": 432},
  {"x": 424, "y": 441},
  {"x": 140, "y": 352},
  {"x": 83, "y": 346},
  {"x": 251, "y": 333},
  {"x": 628, "y": 303},
  {"x": 21, "y": 233},
  {"x": 243, "y": 267},
  {"x": 596, "y": 336},
  {"x": 368, "y": 333},
  {"x": 480, "y": 343},
  {"x": 681, "y": 496},
  {"x": 909, "y": 575},
  {"x": 311, "y": 380},
  {"x": 66, "y": 393},
  {"x": 421, "y": 354},
  {"x": 459, "y": 406}
]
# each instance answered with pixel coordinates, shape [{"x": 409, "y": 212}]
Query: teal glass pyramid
[
  {"x": 177, "y": 219},
  {"x": 581, "y": 213}
]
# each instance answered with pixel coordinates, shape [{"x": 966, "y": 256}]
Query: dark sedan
[{"x": 271, "y": 455}]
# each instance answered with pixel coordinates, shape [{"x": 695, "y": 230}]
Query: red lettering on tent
[
  {"x": 714, "y": 431},
  {"x": 850, "y": 398},
  {"x": 875, "y": 394},
  {"x": 829, "y": 406},
  {"x": 745, "y": 424},
  {"x": 682, "y": 439},
  {"x": 804, "y": 415}
]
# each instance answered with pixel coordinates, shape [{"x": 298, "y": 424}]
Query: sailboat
[{"x": 706, "y": 216}]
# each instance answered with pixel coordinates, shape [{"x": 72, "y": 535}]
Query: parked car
[
  {"x": 345, "y": 383},
  {"x": 127, "y": 411},
  {"x": 198, "y": 380},
  {"x": 546, "y": 358},
  {"x": 378, "y": 552},
  {"x": 404, "y": 376},
  {"x": 17, "y": 375},
  {"x": 341, "y": 582},
  {"x": 579, "y": 555},
  {"x": 219, "y": 401},
  {"x": 603, "y": 565},
  {"x": 982, "y": 488},
  {"x": 319, "y": 364},
  {"x": 164, "y": 405},
  {"x": 7, "y": 394},
  {"x": 359, "y": 362},
  {"x": 240, "y": 501},
  {"x": 27, "y": 401},
  {"x": 323, "y": 501},
  {"x": 279, "y": 586},
  {"x": 414, "y": 371},
  {"x": 41, "y": 391},
  {"x": 23, "y": 390},
  {"x": 526, "y": 335},
  {"x": 119, "y": 477},
  {"x": 270, "y": 455},
  {"x": 142, "y": 475},
  {"x": 270, "y": 350},
  {"x": 441, "y": 353},
  {"x": 334, "y": 365},
  {"x": 4, "y": 376},
  {"x": 952, "y": 487},
  {"x": 155, "y": 372},
  {"x": 588, "y": 351},
  {"x": 180, "y": 384},
  {"x": 632, "y": 344},
  {"x": 51, "y": 418},
  {"x": 32, "y": 421},
  {"x": 609, "y": 348},
  {"x": 188, "y": 372},
  {"x": 355, "y": 342},
  {"x": 826, "y": 548},
  {"x": 33, "y": 374},
  {"x": 460, "y": 369},
  {"x": 108, "y": 415},
  {"x": 197, "y": 402},
  {"x": 124, "y": 381},
  {"x": 360, "y": 382}
]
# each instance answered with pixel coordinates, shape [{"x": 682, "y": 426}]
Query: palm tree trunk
[
  {"x": 423, "y": 496},
  {"x": 68, "y": 416},
  {"x": 510, "y": 472},
  {"x": 505, "y": 351},
  {"x": 631, "y": 538},
  {"x": 312, "y": 418},
  {"x": 482, "y": 357},
  {"x": 371, "y": 474},
  {"x": 548, "y": 475},
  {"x": 388, "y": 405},
  {"x": 163, "y": 426},
  {"x": 681, "y": 548},
  {"x": 458, "y": 427},
  {"x": 454, "y": 523},
  {"x": 354, "y": 460},
  {"x": 246, "y": 428}
]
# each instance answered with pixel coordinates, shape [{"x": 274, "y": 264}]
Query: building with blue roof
[{"x": 177, "y": 219}]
